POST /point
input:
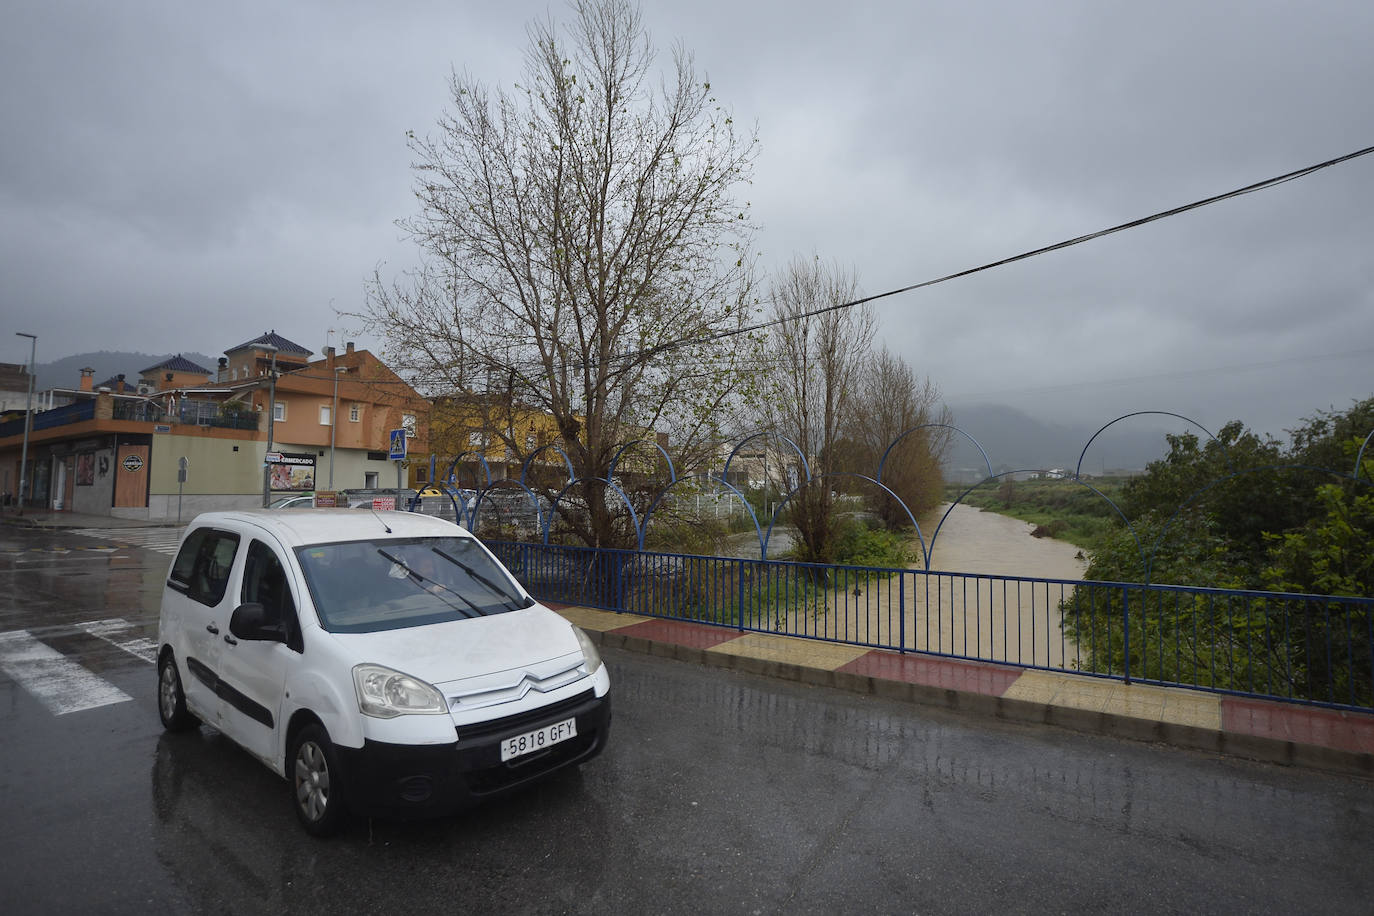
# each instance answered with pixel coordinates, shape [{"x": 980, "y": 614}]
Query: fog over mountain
[
  {"x": 66, "y": 372},
  {"x": 1014, "y": 440}
]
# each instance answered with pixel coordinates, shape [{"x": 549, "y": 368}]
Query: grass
[{"x": 1063, "y": 509}]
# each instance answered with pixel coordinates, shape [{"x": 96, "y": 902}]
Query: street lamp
[
  {"x": 334, "y": 423},
  {"x": 28, "y": 418},
  {"x": 271, "y": 418}
]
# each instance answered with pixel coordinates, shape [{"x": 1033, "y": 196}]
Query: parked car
[
  {"x": 293, "y": 502},
  {"x": 362, "y": 498},
  {"x": 385, "y": 665}
]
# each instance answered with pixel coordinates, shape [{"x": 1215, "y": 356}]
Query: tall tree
[
  {"x": 819, "y": 364},
  {"x": 892, "y": 401},
  {"x": 574, "y": 231}
]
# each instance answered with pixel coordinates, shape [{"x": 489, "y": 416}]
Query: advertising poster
[
  {"x": 85, "y": 469},
  {"x": 292, "y": 472}
]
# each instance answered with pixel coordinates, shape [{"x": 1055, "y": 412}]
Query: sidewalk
[
  {"x": 1263, "y": 730},
  {"x": 43, "y": 518}
]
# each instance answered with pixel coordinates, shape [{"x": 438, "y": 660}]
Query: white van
[{"x": 382, "y": 662}]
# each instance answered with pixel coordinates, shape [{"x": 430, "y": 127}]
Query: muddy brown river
[{"x": 981, "y": 599}]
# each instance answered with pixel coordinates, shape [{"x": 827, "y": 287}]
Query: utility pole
[
  {"x": 28, "y": 418},
  {"x": 271, "y": 418},
  {"x": 334, "y": 423}
]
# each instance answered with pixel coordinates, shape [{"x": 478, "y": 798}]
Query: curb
[{"x": 1117, "y": 725}]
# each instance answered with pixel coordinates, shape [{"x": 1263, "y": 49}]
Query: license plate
[{"x": 537, "y": 740}]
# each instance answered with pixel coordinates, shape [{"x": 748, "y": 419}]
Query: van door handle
[
  {"x": 230, "y": 640},
  {"x": 212, "y": 629}
]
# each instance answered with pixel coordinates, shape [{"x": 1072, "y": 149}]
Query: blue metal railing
[
  {"x": 1306, "y": 648},
  {"x": 47, "y": 419},
  {"x": 188, "y": 412}
]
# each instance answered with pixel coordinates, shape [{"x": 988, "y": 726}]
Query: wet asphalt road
[{"x": 718, "y": 793}]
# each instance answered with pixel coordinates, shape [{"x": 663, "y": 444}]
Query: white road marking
[
  {"x": 162, "y": 540},
  {"x": 54, "y": 680},
  {"x": 109, "y": 630}
]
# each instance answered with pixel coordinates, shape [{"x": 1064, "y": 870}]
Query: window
[
  {"x": 408, "y": 424},
  {"x": 201, "y": 569},
  {"x": 325, "y": 415},
  {"x": 477, "y": 440},
  {"x": 530, "y": 442},
  {"x": 370, "y": 480},
  {"x": 265, "y": 582},
  {"x": 355, "y": 413},
  {"x": 279, "y": 411}
]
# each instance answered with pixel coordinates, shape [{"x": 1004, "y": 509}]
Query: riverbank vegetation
[
  {"x": 1243, "y": 511},
  {"x": 1063, "y": 508}
]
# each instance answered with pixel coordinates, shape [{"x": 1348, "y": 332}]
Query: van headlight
[
  {"x": 386, "y": 693},
  {"x": 589, "y": 652}
]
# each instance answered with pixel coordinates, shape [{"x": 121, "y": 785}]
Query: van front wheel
[
  {"x": 171, "y": 701},
  {"x": 317, "y": 788}
]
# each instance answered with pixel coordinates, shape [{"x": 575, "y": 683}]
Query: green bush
[{"x": 859, "y": 544}]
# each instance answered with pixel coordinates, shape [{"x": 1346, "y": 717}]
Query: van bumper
[{"x": 408, "y": 780}]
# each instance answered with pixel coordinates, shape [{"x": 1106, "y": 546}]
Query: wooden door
[{"x": 131, "y": 477}]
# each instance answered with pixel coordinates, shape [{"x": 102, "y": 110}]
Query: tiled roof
[
  {"x": 271, "y": 337},
  {"x": 114, "y": 384},
  {"x": 178, "y": 363}
]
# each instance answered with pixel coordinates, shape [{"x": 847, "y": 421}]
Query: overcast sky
[{"x": 183, "y": 176}]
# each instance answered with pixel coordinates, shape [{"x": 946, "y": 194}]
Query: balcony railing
[
  {"x": 58, "y": 416},
  {"x": 188, "y": 413}
]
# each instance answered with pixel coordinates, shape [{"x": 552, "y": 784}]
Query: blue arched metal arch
[
  {"x": 882, "y": 462},
  {"x": 508, "y": 484},
  {"x": 615, "y": 459},
  {"x": 648, "y": 514},
  {"x": 1359, "y": 458},
  {"x": 1075, "y": 479},
  {"x": 817, "y": 479},
  {"x": 529, "y": 460},
  {"x": 634, "y": 518},
  {"x": 806, "y": 468},
  {"x": 1078, "y": 470},
  {"x": 481, "y": 460}
]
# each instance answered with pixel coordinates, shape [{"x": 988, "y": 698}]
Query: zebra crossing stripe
[
  {"x": 54, "y": 680},
  {"x": 161, "y": 540},
  {"x": 110, "y": 630}
]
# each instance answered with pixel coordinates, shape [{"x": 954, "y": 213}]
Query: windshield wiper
[
  {"x": 412, "y": 574},
  {"x": 495, "y": 589}
]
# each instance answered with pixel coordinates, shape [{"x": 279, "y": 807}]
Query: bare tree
[
  {"x": 893, "y": 402},
  {"x": 573, "y": 232},
  {"x": 819, "y": 360}
]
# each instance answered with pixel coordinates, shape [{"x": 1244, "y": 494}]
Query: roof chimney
[
  {"x": 348, "y": 347},
  {"x": 87, "y": 378}
]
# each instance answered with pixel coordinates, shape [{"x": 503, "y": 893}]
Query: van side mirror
[{"x": 249, "y": 621}]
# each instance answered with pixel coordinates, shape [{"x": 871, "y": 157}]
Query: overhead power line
[{"x": 1057, "y": 246}]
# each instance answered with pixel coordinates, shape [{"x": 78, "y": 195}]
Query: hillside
[
  {"x": 66, "y": 372},
  {"x": 1015, "y": 440}
]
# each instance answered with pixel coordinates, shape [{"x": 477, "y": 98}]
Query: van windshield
[{"x": 390, "y": 584}]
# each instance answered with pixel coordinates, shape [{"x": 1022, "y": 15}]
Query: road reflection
[{"x": 226, "y": 834}]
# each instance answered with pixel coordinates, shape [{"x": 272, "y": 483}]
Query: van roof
[{"x": 298, "y": 527}]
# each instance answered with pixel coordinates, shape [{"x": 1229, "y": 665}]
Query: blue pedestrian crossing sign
[{"x": 398, "y": 445}]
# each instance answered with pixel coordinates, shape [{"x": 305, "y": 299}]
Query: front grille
[{"x": 521, "y": 720}]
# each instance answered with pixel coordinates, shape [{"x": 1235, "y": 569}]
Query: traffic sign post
[
  {"x": 398, "y": 455},
  {"x": 182, "y": 464}
]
